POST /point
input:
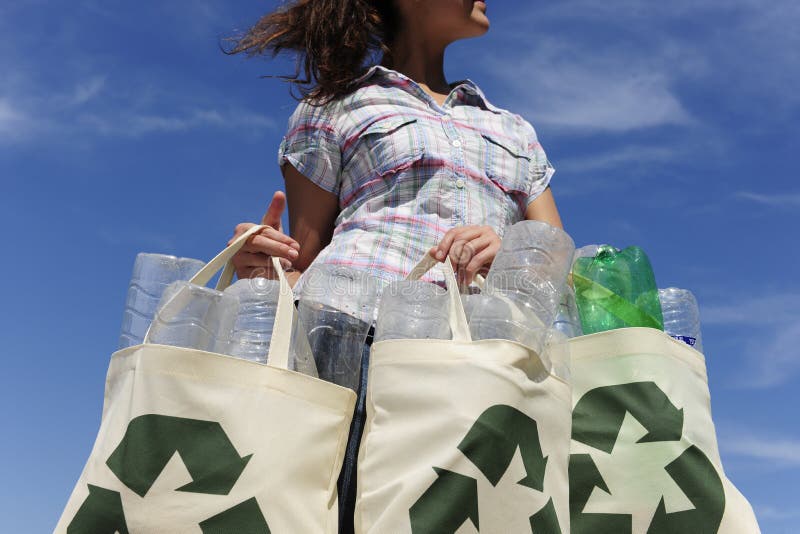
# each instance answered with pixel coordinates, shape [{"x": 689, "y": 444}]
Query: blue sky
[{"x": 123, "y": 129}]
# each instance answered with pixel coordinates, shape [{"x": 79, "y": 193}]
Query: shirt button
[
  {"x": 457, "y": 143},
  {"x": 460, "y": 183}
]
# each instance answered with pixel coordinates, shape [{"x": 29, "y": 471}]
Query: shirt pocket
[
  {"x": 507, "y": 164},
  {"x": 389, "y": 145}
]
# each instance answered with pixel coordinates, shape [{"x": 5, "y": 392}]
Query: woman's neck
[{"x": 421, "y": 61}]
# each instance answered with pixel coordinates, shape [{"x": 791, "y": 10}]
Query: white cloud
[
  {"x": 775, "y": 513},
  {"x": 566, "y": 88},
  {"x": 775, "y": 450},
  {"x": 774, "y": 358},
  {"x": 87, "y": 90},
  {"x": 624, "y": 65},
  {"x": 15, "y": 124},
  {"x": 90, "y": 108},
  {"x": 140, "y": 124},
  {"x": 617, "y": 158},
  {"x": 768, "y": 310},
  {"x": 788, "y": 200},
  {"x": 769, "y": 326}
]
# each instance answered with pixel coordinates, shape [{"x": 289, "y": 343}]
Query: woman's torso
[{"x": 410, "y": 169}]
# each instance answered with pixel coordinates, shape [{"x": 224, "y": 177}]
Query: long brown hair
[{"x": 334, "y": 40}]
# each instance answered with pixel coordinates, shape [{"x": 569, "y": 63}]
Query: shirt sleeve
[
  {"x": 541, "y": 170},
  {"x": 312, "y": 146}
]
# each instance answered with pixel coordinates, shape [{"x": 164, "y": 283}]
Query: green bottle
[{"x": 616, "y": 290}]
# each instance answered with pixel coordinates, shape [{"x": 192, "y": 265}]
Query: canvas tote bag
[
  {"x": 460, "y": 437},
  {"x": 196, "y": 442},
  {"x": 644, "y": 455}
]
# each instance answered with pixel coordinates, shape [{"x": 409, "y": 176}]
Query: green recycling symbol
[
  {"x": 597, "y": 421},
  {"x": 490, "y": 444},
  {"x": 149, "y": 443}
]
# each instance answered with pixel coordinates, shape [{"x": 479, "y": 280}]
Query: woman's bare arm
[
  {"x": 544, "y": 209},
  {"x": 312, "y": 215}
]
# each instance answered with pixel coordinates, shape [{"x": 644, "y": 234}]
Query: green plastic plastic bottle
[{"x": 616, "y": 290}]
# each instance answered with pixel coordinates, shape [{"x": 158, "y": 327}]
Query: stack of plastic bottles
[
  {"x": 237, "y": 322},
  {"x": 539, "y": 292}
]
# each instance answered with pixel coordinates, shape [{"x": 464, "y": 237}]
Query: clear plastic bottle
[
  {"x": 524, "y": 286},
  {"x": 253, "y": 319},
  {"x": 413, "y": 309},
  {"x": 336, "y": 308},
  {"x": 567, "y": 320},
  {"x": 681, "y": 316},
  {"x": 196, "y": 318},
  {"x": 152, "y": 273}
]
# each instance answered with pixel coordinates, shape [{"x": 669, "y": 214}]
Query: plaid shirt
[{"x": 407, "y": 170}]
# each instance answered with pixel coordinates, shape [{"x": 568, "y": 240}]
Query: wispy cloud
[
  {"x": 782, "y": 451},
  {"x": 770, "y": 309},
  {"x": 137, "y": 125},
  {"x": 788, "y": 200},
  {"x": 86, "y": 90},
  {"x": 626, "y": 65},
  {"x": 627, "y": 155},
  {"x": 776, "y": 513},
  {"x": 90, "y": 109},
  {"x": 12, "y": 121},
  {"x": 566, "y": 88},
  {"x": 772, "y": 342}
]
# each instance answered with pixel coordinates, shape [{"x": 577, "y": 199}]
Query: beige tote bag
[
  {"x": 644, "y": 456},
  {"x": 462, "y": 436},
  {"x": 196, "y": 442}
]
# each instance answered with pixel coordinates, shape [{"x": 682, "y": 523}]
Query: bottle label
[{"x": 691, "y": 341}]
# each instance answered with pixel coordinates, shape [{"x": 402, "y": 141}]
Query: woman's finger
[
  {"x": 478, "y": 263},
  {"x": 239, "y": 230},
  {"x": 277, "y": 235},
  {"x": 461, "y": 232},
  {"x": 270, "y": 247}
]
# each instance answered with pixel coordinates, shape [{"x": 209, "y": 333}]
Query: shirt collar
[{"x": 474, "y": 94}]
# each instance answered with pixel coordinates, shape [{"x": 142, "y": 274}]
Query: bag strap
[
  {"x": 457, "y": 316},
  {"x": 281, "y": 333}
]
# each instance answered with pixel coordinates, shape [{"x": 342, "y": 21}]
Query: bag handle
[
  {"x": 456, "y": 313},
  {"x": 281, "y": 332}
]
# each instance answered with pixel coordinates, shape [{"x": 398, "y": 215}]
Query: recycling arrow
[
  {"x": 696, "y": 476},
  {"x": 490, "y": 444},
  {"x": 244, "y": 518},
  {"x": 100, "y": 513},
  {"x": 492, "y": 441},
  {"x": 597, "y": 421},
  {"x": 583, "y": 478},
  {"x": 598, "y": 415},
  {"x": 451, "y": 500},
  {"x": 151, "y": 440},
  {"x": 545, "y": 521}
]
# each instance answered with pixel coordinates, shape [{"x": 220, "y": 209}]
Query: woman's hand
[
  {"x": 471, "y": 249},
  {"x": 253, "y": 260}
]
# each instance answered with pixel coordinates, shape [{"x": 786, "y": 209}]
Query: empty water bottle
[
  {"x": 253, "y": 320},
  {"x": 336, "y": 308},
  {"x": 524, "y": 285},
  {"x": 616, "y": 289},
  {"x": 413, "y": 309},
  {"x": 193, "y": 317},
  {"x": 681, "y": 316},
  {"x": 152, "y": 273},
  {"x": 253, "y": 326},
  {"x": 567, "y": 319}
]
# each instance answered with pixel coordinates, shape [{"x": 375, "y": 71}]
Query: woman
[{"x": 384, "y": 164}]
